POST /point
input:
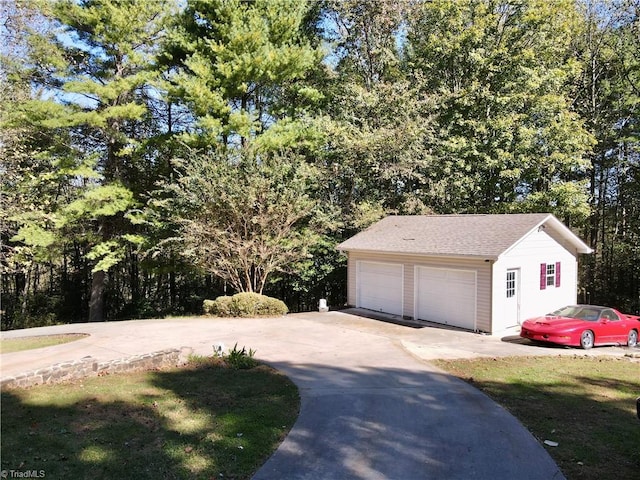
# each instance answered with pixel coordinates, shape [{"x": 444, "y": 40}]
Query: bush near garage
[{"x": 246, "y": 304}]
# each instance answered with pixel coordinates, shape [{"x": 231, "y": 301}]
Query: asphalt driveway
[{"x": 373, "y": 407}]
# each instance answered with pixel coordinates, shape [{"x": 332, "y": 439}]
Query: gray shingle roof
[{"x": 485, "y": 236}]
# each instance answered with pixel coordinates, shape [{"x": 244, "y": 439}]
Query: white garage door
[
  {"x": 446, "y": 296},
  {"x": 380, "y": 287}
]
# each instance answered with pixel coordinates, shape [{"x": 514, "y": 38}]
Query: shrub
[
  {"x": 250, "y": 304},
  {"x": 221, "y": 307},
  {"x": 208, "y": 306},
  {"x": 241, "y": 359},
  {"x": 246, "y": 304}
]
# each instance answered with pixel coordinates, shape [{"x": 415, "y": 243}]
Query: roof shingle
[{"x": 446, "y": 235}]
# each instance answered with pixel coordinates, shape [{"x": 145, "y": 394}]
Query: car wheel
[
  {"x": 587, "y": 339},
  {"x": 632, "y": 338}
]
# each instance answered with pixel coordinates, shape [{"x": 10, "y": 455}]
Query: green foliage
[
  {"x": 299, "y": 123},
  {"x": 241, "y": 359},
  {"x": 501, "y": 77},
  {"x": 106, "y": 255},
  {"x": 367, "y": 33},
  {"x": 540, "y": 391},
  {"x": 321, "y": 275},
  {"x": 41, "y": 311},
  {"x": 220, "y": 307},
  {"x": 101, "y": 201},
  {"x": 234, "y": 58},
  {"x": 245, "y": 304},
  {"x": 250, "y": 304},
  {"x": 204, "y": 420},
  {"x": 569, "y": 201},
  {"x": 377, "y": 159},
  {"x": 34, "y": 235},
  {"x": 245, "y": 218},
  {"x": 607, "y": 98},
  {"x": 89, "y": 75},
  {"x": 378, "y": 128}
]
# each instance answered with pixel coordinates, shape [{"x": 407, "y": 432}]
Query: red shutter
[
  {"x": 557, "y": 274},
  {"x": 543, "y": 276}
]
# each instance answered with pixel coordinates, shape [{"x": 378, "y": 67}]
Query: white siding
[{"x": 536, "y": 248}]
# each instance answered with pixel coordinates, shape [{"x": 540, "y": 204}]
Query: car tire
[
  {"x": 587, "y": 339},
  {"x": 632, "y": 338}
]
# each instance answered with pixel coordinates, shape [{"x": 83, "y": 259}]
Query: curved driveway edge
[
  {"x": 399, "y": 423},
  {"x": 371, "y": 409}
]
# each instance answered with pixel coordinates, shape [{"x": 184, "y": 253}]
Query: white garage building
[{"x": 479, "y": 272}]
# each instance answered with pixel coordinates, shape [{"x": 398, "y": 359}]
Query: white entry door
[
  {"x": 446, "y": 296},
  {"x": 379, "y": 287},
  {"x": 512, "y": 300}
]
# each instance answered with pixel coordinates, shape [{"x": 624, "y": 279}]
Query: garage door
[
  {"x": 446, "y": 296},
  {"x": 380, "y": 287}
]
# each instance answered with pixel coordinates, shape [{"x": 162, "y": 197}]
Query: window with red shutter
[{"x": 549, "y": 275}]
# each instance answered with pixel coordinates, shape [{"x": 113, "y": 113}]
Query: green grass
[
  {"x": 205, "y": 420},
  {"x": 9, "y": 345},
  {"x": 586, "y": 404}
]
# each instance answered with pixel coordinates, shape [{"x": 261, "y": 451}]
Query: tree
[
  {"x": 607, "y": 96},
  {"x": 32, "y": 164},
  {"x": 94, "y": 74},
  {"x": 243, "y": 70},
  {"x": 245, "y": 217},
  {"x": 500, "y": 73},
  {"x": 366, "y": 37},
  {"x": 233, "y": 60},
  {"x": 378, "y": 125}
]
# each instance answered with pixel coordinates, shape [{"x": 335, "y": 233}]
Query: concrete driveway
[{"x": 373, "y": 407}]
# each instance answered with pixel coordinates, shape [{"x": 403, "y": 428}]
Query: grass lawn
[
  {"x": 9, "y": 345},
  {"x": 586, "y": 404},
  {"x": 205, "y": 420}
]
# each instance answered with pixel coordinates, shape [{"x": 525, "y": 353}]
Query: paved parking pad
[{"x": 373, "y": 407}]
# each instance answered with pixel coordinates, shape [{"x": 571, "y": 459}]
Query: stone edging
[{"x": 90, "y": 367}]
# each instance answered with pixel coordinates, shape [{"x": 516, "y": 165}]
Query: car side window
[
  {"x": 609, "y": 315},
  {"x": 588, "y": 314}
]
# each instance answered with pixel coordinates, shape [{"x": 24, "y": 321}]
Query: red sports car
[{"x": 584, "y": 326}]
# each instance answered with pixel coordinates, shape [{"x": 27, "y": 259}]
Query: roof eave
[
  {"x": 419, "y": 254},
  {"x": 560, "y": 227},
  {"x": 579, "y": 245}
]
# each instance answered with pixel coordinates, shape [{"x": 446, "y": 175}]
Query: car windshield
[{"x": 579, "y": 312}]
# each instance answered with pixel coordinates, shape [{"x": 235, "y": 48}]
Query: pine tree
[
  {"x": 94, "y": 70},
  {"x": 232, "y": 63}
]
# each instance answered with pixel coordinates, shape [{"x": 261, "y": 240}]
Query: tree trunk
[
  {"x": 96, "y": 303},
  {"x": 172, "y": 289},
  {"x": 134, "y": 279}
]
